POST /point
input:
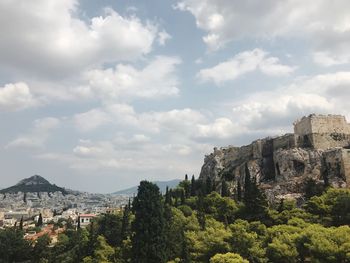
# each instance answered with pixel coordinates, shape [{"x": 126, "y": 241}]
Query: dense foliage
[{"x": 195, "y": 223}]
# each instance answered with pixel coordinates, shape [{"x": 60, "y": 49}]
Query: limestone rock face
[{"x": 318, "y": 150}]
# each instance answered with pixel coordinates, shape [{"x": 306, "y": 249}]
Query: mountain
[
  {"x": 161, "y": 184},
  {"x": 33, "y": 184}
]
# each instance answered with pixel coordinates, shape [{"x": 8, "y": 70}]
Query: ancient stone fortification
[{"x": 319, "y": 149}]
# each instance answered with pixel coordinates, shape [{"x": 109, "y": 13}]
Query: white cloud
[
  {"x": 156, "y": 79},
  {"x": 244, "y": 63},
  {"x": 274, "y": 111},
  {"x": 220, "y": 128},
  {"x": 16, "y": 96},
  {"x": 37, "y": 136},
  {"x": 91, "y": 120},
  {"x": 323, "y": 23},
  {"x": 163, "y": 36},
  {"x": 47, "y": 37}
]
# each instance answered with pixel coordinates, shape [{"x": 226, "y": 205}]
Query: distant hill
[
  {"x": 161, "y": 184},
  {"x": 33, "y": 184}
]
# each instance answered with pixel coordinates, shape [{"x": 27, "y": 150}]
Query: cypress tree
[
  {"x": 167, "y": 196},
  {"x": 40, "y": 220},
  {"x": 187, "y": 187},
  {"x": 125, "y": 225},
  {"x": 21, "y": 224},
  {"x": 193, "y": 186},
  {"x": 224, "y": 189},
  {"x": 182, "y": 197},
  {"x": 254, "y": 199},
  {"x": 239, "y": 191},
  {"x": 149, "y": 240},
  {"x": 208, "y": 185},
  {"x": 78, "y": 225},
  {"x": 247, "y": 186}
]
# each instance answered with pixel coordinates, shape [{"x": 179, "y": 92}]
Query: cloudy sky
[{"x": 97, "y": 95}]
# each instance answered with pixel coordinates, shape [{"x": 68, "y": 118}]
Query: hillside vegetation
[{"x": 192, "y": 223}]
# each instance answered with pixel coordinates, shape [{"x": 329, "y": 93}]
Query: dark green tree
[
  {"x": 78, "y": 224},
  {"x": 193, "y": 186},
  {"x": 167, "y": 196},
  {"x": 182, "y": 197},
  {"x": 125, "y": 231},
  {"x": 149, "y": 240},
  {"x": 254, "y": 199},
  {"x": 239, "y": 191},
  {"x": 40, "y": 220},
  {"x": 201, "y": 211},
  {"x": 185, "y": 254},
  {"x": 13, "y": 247},
  {"x": 224, "y": 189},
  {"x": 109, "y": 226},
  {"x": 21, "y": 224},
  {"x": 208, "y": 185}
]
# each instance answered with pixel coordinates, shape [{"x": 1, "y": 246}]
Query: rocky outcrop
[{"x": 318, "y": 150}]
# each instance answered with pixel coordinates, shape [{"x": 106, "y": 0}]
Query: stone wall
[
  {"x": 322, "y": 131},
  {"x": 321, "y": 124}
]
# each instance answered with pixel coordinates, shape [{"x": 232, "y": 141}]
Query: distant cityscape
[{"x": 55, "y": 208}]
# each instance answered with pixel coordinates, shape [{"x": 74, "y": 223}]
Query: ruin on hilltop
[{"x": 317, "y": 151}]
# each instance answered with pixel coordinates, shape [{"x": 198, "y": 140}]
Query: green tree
[
  {"x": 204, "y": 244},
  {"x": 208, "y": 185},
  {"x": 201, "y": 211},
  {"x": 239, "y": 191},
  {"x": 254, "y": 199},
  {"x": 102, "y": 254},
  {"x": 148, "y": 242},
  {"x": 40, "y": 250},
  {"x": 193, "y": 186},
  {"x": 228, "y": 258},
  {"x": 40, "y": 220},
  {"x": 224, "y": 189},
  {"x": 109, "y": 226},
  {"x": 13, "y": 248}
]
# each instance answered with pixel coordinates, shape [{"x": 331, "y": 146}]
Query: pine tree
[
  {"x": 193, "y": 186},
  {"x": 224, "y": 189},
  {"x": 186, "y": 177},
  {"x": 149, "y": 240}
]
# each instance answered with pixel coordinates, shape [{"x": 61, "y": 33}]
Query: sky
[{"x": 98, "y": 95}]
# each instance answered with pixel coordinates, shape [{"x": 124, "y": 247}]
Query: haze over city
[{"x": 97, "y": 95}]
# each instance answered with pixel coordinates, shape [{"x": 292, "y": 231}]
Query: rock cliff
[{"x": 318, "y": 152}]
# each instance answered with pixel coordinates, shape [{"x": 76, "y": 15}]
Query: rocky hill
[
  {"x": 317, "y": 154},
  {"x": 33, "y": 184}
]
